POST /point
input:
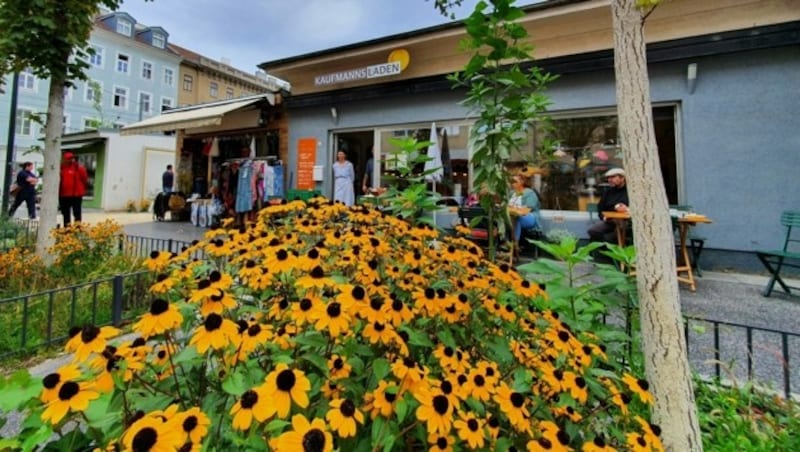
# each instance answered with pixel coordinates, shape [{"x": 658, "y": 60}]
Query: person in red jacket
[{"x": 72, "y": 187}]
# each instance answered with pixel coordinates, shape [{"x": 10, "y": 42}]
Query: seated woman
[{"x": 524, "y": 205}]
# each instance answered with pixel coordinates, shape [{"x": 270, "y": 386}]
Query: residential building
[
  {"x": 203, "y": 80},
  {"x": 724, "y": 91}
]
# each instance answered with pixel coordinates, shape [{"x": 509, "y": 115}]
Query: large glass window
[
  {"x": 147, "y": 70},
  {"x": 27, "y": 80},
  {"x": 120, "y": 97},
  {"x": 122, "y": 63},
  {"x": 24, "y": 125},
  {"x": 124, "y": 27},
  {"x": 96, "y": 59}
]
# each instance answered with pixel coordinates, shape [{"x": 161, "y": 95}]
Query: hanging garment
[
  {"x": 277, "y": 182},
  {"x": 269, "y": 181},
  {"x": 244, "y": 189},
  {"x": 343, "y": 177}
]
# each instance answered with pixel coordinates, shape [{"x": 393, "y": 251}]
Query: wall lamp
[
  {"x": 334, "y": 115},
  {"x": 691, "y": 77}
]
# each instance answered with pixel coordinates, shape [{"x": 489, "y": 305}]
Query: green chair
[
  {"x": 788, "y": 256},
  {"x": 592, "y": 209}
]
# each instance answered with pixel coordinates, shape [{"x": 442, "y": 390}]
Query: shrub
[
  {"x": 322, "y": 327},
  {"x": 81, "y": 249},
  {"x": 144, "y": 205},
  {"x": 130, "y": 206}
]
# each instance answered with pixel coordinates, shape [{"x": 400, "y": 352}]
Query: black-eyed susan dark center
[
  {"x": 154, "y": 254},
  {"x": 448, "y": 351},
  {"x": 162, "y": 354},
  {"x": 348, "y": 408},
  {"x": 254, "y": 330},
  {"x": 215, "y": 276},
  {"x": 441, "y": 442},
  {"x": 317, "y": 272},
  {"x": 338, "y": 363},
  {"x": 599, "y": 441},
  {"x": 379, "y": 327},
  {"x": 390, "y": 397},
  {"x": 250, "y": 263},
  {"x": 217, "y": 297},
  {"x": 397, "y": 305},
  {"x": 159, "y": 306},
  {"x": 643, "y": 384},
  {"x": 68, "y": 390},
  {"x": 189, "y": 423},
  {"x": 314, "y": 441},
  {"x": 440, "y": 404},
  {"x": 144, "y": 439},
  {"x": 447, "y": 387},
  {"x": 473, "y": 425},
  {"x": 334, "y": 309},
  {"x": 89, "y": 333},
  {"x": 479, "y": 380},
  {"x": 358, "y": 293},
  {"x": 563, "y": 437},
  {"x": 286, "y": 380},
  {"x": 376, "y": 304},
  {"x": 249, "y": 399},
  {"x": 51, "y": 381},
  {"x": 213, "y": 322},
  {"x": 305, "y": 304},
  {"x": 282, "y": 255},
  {"x": 517, "y": 399}
]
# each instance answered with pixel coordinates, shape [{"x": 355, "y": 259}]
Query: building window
[
  {"x": 91, "y": 123},
  {"x": 213, "y": 89},
  {"x": 27, "y": 80},
  {"x": 122, "y": 63},
  {"x": 188, "y": 83},
  {"x": 24, "y": 122},
  {"x": 124, "y": 27},
  {"x": 147, "y": 70},
  {"x": 94, "y": 91},
  {"x": 145, "y": 103},
  {"x": 229, "y": 93},
  {"x": 166, "y": 103},
  {"x": 158, "y": 40},
  {"x": 169, "y": 76},
  {"x": 121, "y": 97},
  {"x": 96, "y": 58}
]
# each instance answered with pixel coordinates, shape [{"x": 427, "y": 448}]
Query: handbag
[{"x": 14, "y": 189}]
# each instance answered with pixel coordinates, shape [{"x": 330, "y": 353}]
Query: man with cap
[
  {"x": 72, "y": 187},
  {"x": 615, "y": 198}
]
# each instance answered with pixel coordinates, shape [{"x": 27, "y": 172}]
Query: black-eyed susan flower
[
  {"x": 343, "y": 417},
  {"x": 338, "y": 367},
  {"x": 252, "y": 404},
  {"x": 315, "y": 279},
  {"x": 650, "y": 433},
  {"x": 470, "y": 429},
  {"x": 72, "y": 396},
  {"x": 158, "y": 261},
  {"x": 639, "y": 387},
  {"x": 51, "y": 383},
  {"x": 163, "y": 316},
  {"x": 89, "y": 339},
  {"x": 550, "y": 438},
  {"x": 515, "y": 407},
  {"x": 478, "y": 386},
  {"x": 435, "y": 410},
  {"x": 152, "y": 434},
  {"x": 380, "y": 402},
  {"x": 215, "y": 332},
  {"x": 598, "y": 444},
  {"x": 441, "y": 442},
  {"x": 194, "y": 424},
  {"x": 333, "y": 317},
  {"x": 217, "y": 303},
  {"x": 164, "y": 283},
  {"x": 304, "y": 436},
  {"x": 283, "y": 386}
]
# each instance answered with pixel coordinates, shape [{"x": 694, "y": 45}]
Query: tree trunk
[
  {"x": 48, "y": 216},
  {"x": 664, "y": 346}
]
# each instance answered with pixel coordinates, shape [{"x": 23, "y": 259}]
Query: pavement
[{"x": 773, "y": 324}]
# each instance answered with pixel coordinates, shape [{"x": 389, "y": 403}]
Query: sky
[{"x": 249, "y": 32}]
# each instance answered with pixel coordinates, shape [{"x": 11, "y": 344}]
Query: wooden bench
[{"x": 788, "y": 256}]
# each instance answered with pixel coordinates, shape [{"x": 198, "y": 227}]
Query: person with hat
[
  {"x": 615, "y": 198},
  {"x": 72, "y": 187}
]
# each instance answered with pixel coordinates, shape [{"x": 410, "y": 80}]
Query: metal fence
[
  {"x": 738, "y": 353},
  {"x": 18, "y": 233},
  {"x": 139, "y": 246},
  {"x": 45, "y": 318}
]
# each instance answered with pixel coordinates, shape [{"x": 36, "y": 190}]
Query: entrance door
[{"x": 358, "y": 147}]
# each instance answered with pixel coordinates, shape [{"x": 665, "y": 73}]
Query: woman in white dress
[{"x": 343, "y": 177}]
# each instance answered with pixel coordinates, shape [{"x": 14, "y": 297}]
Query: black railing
[
  {"x": 45, "y": 318},
  {"x": 766, "y": 358},
  {"x": 139, "y": 246},
  {"x": 18, "y": 233}
]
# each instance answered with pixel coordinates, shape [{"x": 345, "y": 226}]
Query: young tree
[
  {"x": 663, "y": 344},
  {"x": 50, "y": 37}
]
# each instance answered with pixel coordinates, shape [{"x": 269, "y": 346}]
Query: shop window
[{"x": 571, "y": 156}]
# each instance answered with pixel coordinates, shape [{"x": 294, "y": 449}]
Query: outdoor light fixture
[
  {"x": 334, "y": 115},
  {"x": 691, "y": 77}
]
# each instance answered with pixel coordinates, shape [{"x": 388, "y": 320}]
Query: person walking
[
  {"x": 344, "y": 175},
  {"x": 168, "y": 180},
  {"x": 26, "y": 181},
  {"x": 72, "y": 187}
]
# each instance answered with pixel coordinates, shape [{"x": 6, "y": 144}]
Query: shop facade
[
  {"x": 724, "y": 90},
  {"x": 232, "y": 150}
]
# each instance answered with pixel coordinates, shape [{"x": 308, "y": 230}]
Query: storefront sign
[
  {"x": 306, "y": 158},
  {"x": 398, "y": 61}
]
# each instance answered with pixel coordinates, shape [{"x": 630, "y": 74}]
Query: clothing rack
[{"x": 273, "y": 160}]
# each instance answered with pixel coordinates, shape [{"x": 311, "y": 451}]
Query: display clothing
[
  {"x": 71, "y": 190},
  {"x": 343, "y": 177},
  {"x": 26, "y": 194},
  {"x": 245, "y": 189},
  {"x": 528, "y": 198}
]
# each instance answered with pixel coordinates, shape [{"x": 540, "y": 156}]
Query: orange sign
[{"x": 306, "y": 158}]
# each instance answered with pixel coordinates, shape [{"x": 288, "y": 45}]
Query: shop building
[{"x": 724, "y": 87}]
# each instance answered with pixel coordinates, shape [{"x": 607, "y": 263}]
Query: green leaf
[
  {"x": 377, "y": 433},
  {"x": 446, "y": 338},
  {"x": 277, "y": 425},
  {"x": 18, "y": 389},
  {"x": 380, "y": 368},
  {"x": 235, "y": 384},
  {"x": 401, "y": 409},
  {"x": 500, "y": 351},
  {"x": 186, "y": 355},
  {"x": 39, "y": 437},
  {"x": 318, "y": 361},
  {"x": 312, "y": 339},
  {"x": 417, "y": 338}
]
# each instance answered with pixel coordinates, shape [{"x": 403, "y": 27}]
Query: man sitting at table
[{"x": 614, "y": 199}]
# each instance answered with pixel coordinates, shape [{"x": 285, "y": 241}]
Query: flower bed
[{"x": 323, "y": 327}]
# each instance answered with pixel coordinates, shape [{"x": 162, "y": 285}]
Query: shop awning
[{"x": 192, "y": 117}]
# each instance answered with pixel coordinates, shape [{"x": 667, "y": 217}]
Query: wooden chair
[{"x": 788, "y": 256}]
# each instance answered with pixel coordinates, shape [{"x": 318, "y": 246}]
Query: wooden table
[{"x": 684, "y": 269}]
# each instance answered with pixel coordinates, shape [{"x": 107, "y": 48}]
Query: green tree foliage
[
  {"x": 505, "y": 97},
  {"x": 50, "y": 37}
]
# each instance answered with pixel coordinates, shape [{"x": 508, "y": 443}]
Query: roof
[{"x": 194, "y": 116}]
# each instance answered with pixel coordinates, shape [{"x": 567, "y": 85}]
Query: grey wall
[{"x": 738, "y": 140}]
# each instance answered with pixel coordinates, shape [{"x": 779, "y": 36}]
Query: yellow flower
[
  {"x": 343, "y": 416},
  {"x": 152, "y": 434},
  {"x": 381, "y": 400},
  {"x": 436, "y": 410},
  {"x": 72, "y": 396},
  {"x": 470, "y": 429},
  {"x": 284, "y": 385},
  {"x": 638, "y": 387},
  {"x": 89, "y": 339},
  {"x": 304, "y": 436},
  {"x": 215, "y": 332},
  {"x": 252, "y": 404},
  {"x": 52, "y": 382},
  {"x": 161, "y": 318}
]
